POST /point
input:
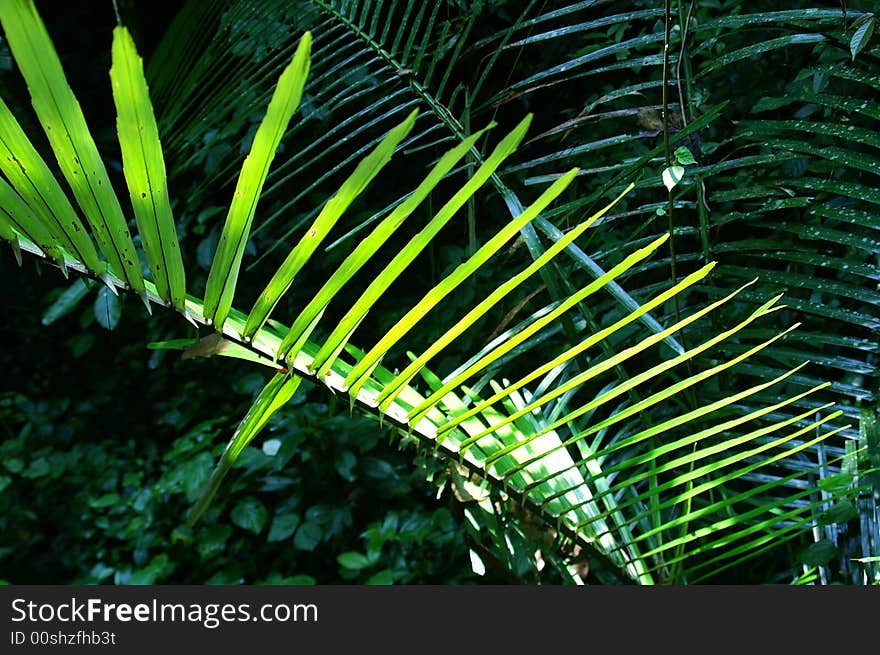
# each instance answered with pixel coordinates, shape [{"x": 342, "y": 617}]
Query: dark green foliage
[
  {"x": 772, "y": 115},
  {"x": 86, "y": 502}
]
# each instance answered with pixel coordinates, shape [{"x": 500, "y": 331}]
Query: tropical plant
[
  {"x": 623, "y": 427},
  {"x": 780, "y": 179}
]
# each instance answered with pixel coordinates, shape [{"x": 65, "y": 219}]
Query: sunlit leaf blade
[
  {"x": 593, "y": 339},
  {"x": 366, "y": 170},
  {"x": 18, "y": 218},
  {"x": 672, "y": 176},
  {"x": 715, "y": 477},
  {"x": 662, "y": 474},
  {"x": 635, "y": 380},
  {"x": 305, "y": 321},
  {"x": 223, "y": 275},
  {"x": 454, "y": 279},
  {"x": 144, "y": 168},
  {"x": 726, "y": 506},
  {"x": 718, "y": 479},
  {"x": 377, "y": 287},
  {"x": 630, "y": 464},
  {"x": 419, "y": 411},
  {"x": 388, "y": 395},
  {"x": 65, "y": 126},
  {"x": 274, "y": 395},
  {"x": 358, "y": 50},
  {"x": 722, "y": 545},
  {"x": 575, "y": 490},
  {"x": 713, "y": 468},
  {"x": 37, "y": 187}
]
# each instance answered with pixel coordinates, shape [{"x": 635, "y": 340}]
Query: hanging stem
[
  {"x": 683, "y": 71},
  {"x": 677, "y": 570},
  {"x": 666, "y": 150}
]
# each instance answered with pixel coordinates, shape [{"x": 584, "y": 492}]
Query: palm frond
[
  {"x": 62, "y": 119},
  {"x": 378, "y": 75},
  {"x": 145, "y": 169},
  {"x": 630, "y": 466}
]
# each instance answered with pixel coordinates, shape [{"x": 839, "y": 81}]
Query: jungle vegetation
[{"x": 400, "y": 292}]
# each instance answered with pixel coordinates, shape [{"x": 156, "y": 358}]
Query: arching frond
[{"x": 661, "y": 471}]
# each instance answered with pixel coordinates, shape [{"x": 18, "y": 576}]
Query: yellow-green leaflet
[
  {"x": 718, "y": 429},
  {"x": 417, "y": 413},
  {"x": 593, "y": 339},
  {"x": 634, "y": 381},
  {"x": 223, "y": 275},
  {"x": 336, "y": 341},
  {"x": 720, "y": 448},
  {"x": 718, "y": 480},
  {"x": 454, "y": 279},
  {"x": 144, "y": 168},
  {"x": 366, "y": 170},
  {"x": 273, "y": 397},
  {"x": 392, "y": 390},
  {"x": 18, "y": 216},
  {"x": 633, "y": 464},
  {"x": 668, "y": 425},
  {"x": 65, "y": 126},
  {"x": 305, "y": 322},
  {"x": 40, "y": 191}
]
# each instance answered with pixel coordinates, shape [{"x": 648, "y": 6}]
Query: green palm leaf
[
  {"x": 34, "y": 183},
  {"x": 230, "y": 250},
  {"x": 655, "y": 463},
  {"x": 65, "y": 126},
  {"x": 145, "y": 169}
]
